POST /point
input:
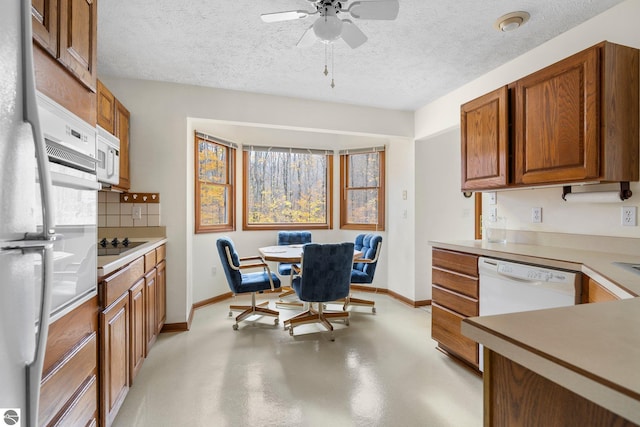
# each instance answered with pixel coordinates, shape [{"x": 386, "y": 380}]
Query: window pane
[
  {"x": 287, "y": 188},
  {"x": 364, "y": 170},
  {"x": 213, "y": 162},
  {"x": 362, "y": 206},
  {"x": 214, "y": 209}
]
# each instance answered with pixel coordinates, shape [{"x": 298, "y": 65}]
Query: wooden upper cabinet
[
  {"x": 122, "y": 132},
  {"x": 44, "y": 21},
  {"x": 106, "y": 108},
  {"x": 78, "y": 39},
  {"x": 556, "y": 126},
  {"x": 484, "y": 124},
  {"x": 574, "y": 121}
]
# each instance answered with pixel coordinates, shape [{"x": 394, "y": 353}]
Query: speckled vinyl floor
[{"x": 381, "y": 370}]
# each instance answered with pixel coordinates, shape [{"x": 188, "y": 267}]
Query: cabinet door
[
  {"x": 78, "y": 39},
  {"x": 557, "y": 121},
  {"x": 44, "y": 22},
  {"x": 484, "y": 125},
  {"x": 122, "y": 132},
  {"x": 151, "y": 286},
  {"x": 106, "y": 108},
  {"x": 114, "y": 324},
  {"x": 138, "y": 325},
  {"x": 161, "y": 295}
]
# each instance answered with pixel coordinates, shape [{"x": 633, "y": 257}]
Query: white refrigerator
[{"x": 26, "y": 224}]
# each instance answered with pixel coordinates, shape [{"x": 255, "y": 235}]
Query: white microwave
[{"x": 108, "y": 156}]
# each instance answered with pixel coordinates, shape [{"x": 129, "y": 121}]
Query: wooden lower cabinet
[
  {"x": 151, "y": 325},
  {"x": 132, "y": 314},
  {"x": 115, "y": 357},
  {"x": 455, "y": 297},
  {"x": 161, "y": 295},
  {"x": 138, "y": 301},
  {"x": 69, "y": 392},
  {"x": 517, "y": 396},
  {"x": 593, "y": 291}
]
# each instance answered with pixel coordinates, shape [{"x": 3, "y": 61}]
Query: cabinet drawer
[
  {"x": 456, "y": 282},
  {"x": 149, "y": 261},
  {"x": 66, "y": 378},
  {"x": 119, "y": 282},
  {"x": 456, "y": 302},
  {"x": 455, "y": 261},
  {"x": 445, "y": 328},
  {"x": 84, "y": 409},
  {"x": 160, "y": 253}
]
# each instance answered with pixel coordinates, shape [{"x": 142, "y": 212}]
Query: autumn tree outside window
[
  {"x": 362, "y": 181},
  {"x": 214, "y": 184},
  {"x": 287, "y": 188}
]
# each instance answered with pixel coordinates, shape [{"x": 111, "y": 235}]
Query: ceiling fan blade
[
  {"x": 375, "y": 9},
  {"x": 308, "y": 38},
  {"x": 352, "y": 34},
  {"x": 284, "y": 16}
]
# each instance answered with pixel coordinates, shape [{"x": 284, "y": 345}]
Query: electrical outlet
[
  {"x": 493, "y": 213},
  {"x": 536, "y": 215},
  {"x": 136, "y": 212},
  {"x": 629, "y": 216},
  {"x": 213, "y": 271},
  {"x": 493, "y": 197}
]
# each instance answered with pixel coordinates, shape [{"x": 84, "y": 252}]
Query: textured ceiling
[{"x": 432, "y": 48}]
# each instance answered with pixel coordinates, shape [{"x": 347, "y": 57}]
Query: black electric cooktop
[{"x": 115, "y": 246}]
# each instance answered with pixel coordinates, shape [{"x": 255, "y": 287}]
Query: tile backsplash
[{"x": 113, "y": 213}]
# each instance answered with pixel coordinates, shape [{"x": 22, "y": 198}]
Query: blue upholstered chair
[
  {"x": 365, "y": 267},
  {"x": 286, "y": 238},
  {"x": 241, "y": 283},
  {"x": 324, "y": 276}
]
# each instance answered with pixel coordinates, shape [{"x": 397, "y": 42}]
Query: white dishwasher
[{"x": 509, "y": 287}]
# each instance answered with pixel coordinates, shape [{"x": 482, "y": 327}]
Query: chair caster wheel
[
  {"x": 276, "y": 321},
  {"x": 235, "y": 326},
  {"x": 290, "y": 331},
  {"x": 373, "y": 310},
  {"x": 230, "y": 314},
  {"x": 346, "y": 322}
]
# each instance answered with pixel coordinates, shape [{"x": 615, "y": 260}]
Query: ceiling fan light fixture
[
  {"x": 327, "y": 28},
  {"x": 511, "y": 21}
]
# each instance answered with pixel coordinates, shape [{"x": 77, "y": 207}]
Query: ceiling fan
[{"x": 329, "y": 27}]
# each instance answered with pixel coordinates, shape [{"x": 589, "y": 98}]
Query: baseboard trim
[
  {"x": 360, "y": 288},
  {"x": 181, "y": 326}
]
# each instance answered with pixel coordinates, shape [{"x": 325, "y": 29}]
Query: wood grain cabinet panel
[
  {"x": 44, "y": 24},
  {"x": 137, "y": 332},
  {"x": 114, "y": 361},
  {"x": 484, "y": 124},
  {"x": 455, "y": 297},
  {"x": 598, "y": 293},
  {"x": 161, "y": 295},
  {"x": 106, "y": 104},
  {"x": 445, "y": 329},
  {"x": 123, "y": 118},
  {"x": 151, "y": 322},
  {"x": 78, "y": 39},
  {"x": 70, "y": 365},
  {"x": 574, "y": 121}
]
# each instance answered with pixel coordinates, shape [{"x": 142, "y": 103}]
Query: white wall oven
[{"x": 71, "y": 148}]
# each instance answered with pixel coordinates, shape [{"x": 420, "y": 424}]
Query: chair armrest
[
  {"x": 253, "y": 265},
  {"x": 364, "y": 261},
  {"x": 247, "y": 258}
]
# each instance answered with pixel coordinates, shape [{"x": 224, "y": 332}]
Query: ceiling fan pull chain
[
  {"x": 325, "y": 60},
  {"x": 333, "y": 68}
]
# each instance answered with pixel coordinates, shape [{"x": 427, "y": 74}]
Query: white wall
[{"x": 163, "y": 117}]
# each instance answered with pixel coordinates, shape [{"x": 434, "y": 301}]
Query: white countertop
[
  {"x": 590, "y": 349},
  {"x": 109, "y": 264}
]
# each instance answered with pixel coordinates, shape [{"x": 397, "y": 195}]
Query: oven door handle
[{"x": 62, "y": 180}]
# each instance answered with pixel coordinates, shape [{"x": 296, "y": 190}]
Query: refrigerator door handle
[{"x": 30, "y": 115}]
